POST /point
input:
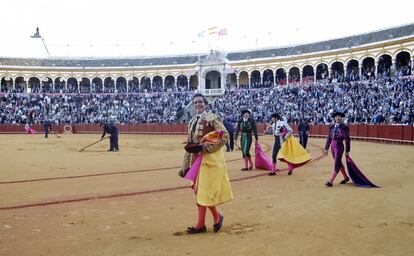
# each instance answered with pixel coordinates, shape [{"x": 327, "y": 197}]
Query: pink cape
[
  {"x": 30, "y": 130},
  {"x": 212, "y": 138},
  {"x": 261, "y": 161},
  {"x": 192, "y": 174}
]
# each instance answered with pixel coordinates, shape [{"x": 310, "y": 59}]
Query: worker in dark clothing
[
  {"x": 113, "y": 140},
  {"x": 229, "y": 124},
  {"x": 303, "y": 133},
  {"x": 47, "y": 126}
]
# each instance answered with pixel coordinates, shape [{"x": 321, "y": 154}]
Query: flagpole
[{"x": 44, "y": 44}]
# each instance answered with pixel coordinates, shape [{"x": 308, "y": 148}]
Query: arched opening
[
  {"x": 213, "y": 80},
  {"x": 85, "y": 85},
  {"x": 255, "y": 79},
  {"x": 47, "y": 85},
  {"x": 182, "y": 83},
  {"x": 6, "y": 84},
  {"x": 337, "y": 71},
  {"x": 121, "y": 85},
  {"x": 268, "y": 78},
  {"x": 294, "y": 75},
  {"x": 402, "y": 64},
  {"x": 384, "y": 66},
  {"x": 20, "y": 85},
  {"x": 73, "y": 86},
  {"x": 109, "y": 85},
  {"x": 322, "y": 72},
  {"x": 97, "y": 86},
  {"x": 59, "y": 85},
  {"x": 281, "y": 76},
  {"x": 145, "y": 84},
  {"x": 169, "y": 83},
  {"x": 133, "y": 85},
  {"x": 352, "y": 70},
  {"x": 244, "y": 80},
  {"x": 307, "y": 74},
  {"x": 368, "y": 68},
  {"x": 157, "y": 84},
  {"x": 231, "y": 80},
  {"x": 193, "y": 82},
  {"x": 34, "y": 85}
]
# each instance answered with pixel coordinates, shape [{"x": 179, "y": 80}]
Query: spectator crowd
[
  {"x": 389, "y": 101},
  {"x": 93, "y": 108},
  {"x": 375, "y": 101}
]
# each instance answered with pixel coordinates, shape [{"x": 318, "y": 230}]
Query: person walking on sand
[{"x": 205, "y": 155}]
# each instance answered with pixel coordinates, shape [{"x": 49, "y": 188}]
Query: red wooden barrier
[
  {"x": 383, "y": 131},
  {"x": 372, "y": 131},
  {"x": 353, "y": 130},
  {"x": 76, "y": 129},
  {"x": 57, "y": 128},
  {"x": 295, "y": 128},
  {"x": 395, "y": 132},
  {"x": 399, "y": 133},
  {"x": 314, "y": 130},
  {"x": 123, "y": 128},
  {"x": 158, "y": 128},
  {"x": 149, "y": 128},
  {"x": 176, "y": 128},
  {"x": 184, "y": 128},
  {"x": 38, "y": 128},
  {"x": 323, "y": 129},
  {"x": 97, "y": 127},
  {"x": 140, "y": 128},
  {"x": 362, "y": 130},
  {"x": 408, "y": 134},
  {"x": 261, "y": 128},
  {"x": 132, "y": 128}
]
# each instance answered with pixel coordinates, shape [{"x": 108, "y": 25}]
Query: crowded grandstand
[{"x": 369, "y": 76}]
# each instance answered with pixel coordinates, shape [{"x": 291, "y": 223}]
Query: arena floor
[{"x": 55, "y": 200}]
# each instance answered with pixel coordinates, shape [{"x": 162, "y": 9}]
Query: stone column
[{"x": 248, "y": 85}]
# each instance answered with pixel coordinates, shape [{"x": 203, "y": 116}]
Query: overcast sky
[{"x": 161, "y": 27}]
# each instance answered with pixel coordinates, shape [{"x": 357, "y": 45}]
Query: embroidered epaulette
[{"x": 211, "y": 117}]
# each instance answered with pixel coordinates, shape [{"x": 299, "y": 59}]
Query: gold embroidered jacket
[{"x": 207, "y": 122}]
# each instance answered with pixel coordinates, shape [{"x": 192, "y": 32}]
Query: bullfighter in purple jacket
[{"x": 338, "y": 132}]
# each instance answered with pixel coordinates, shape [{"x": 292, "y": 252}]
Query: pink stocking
[
  {"x": 250, "y": 161},
  {"x": 246, "y": 163},
  {"x": 201, "y": 216},
  {"x": 344, "y": 173},
  {"x": 333, "y": 176},
  {"x": 215, "y": 214}
]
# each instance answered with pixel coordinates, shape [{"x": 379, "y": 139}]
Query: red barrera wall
[{"x": 382, "y": 133}]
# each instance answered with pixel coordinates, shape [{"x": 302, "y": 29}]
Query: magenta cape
[
  {"x": 30, "y": 130},
  {"x": 261, "y": 161}
]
